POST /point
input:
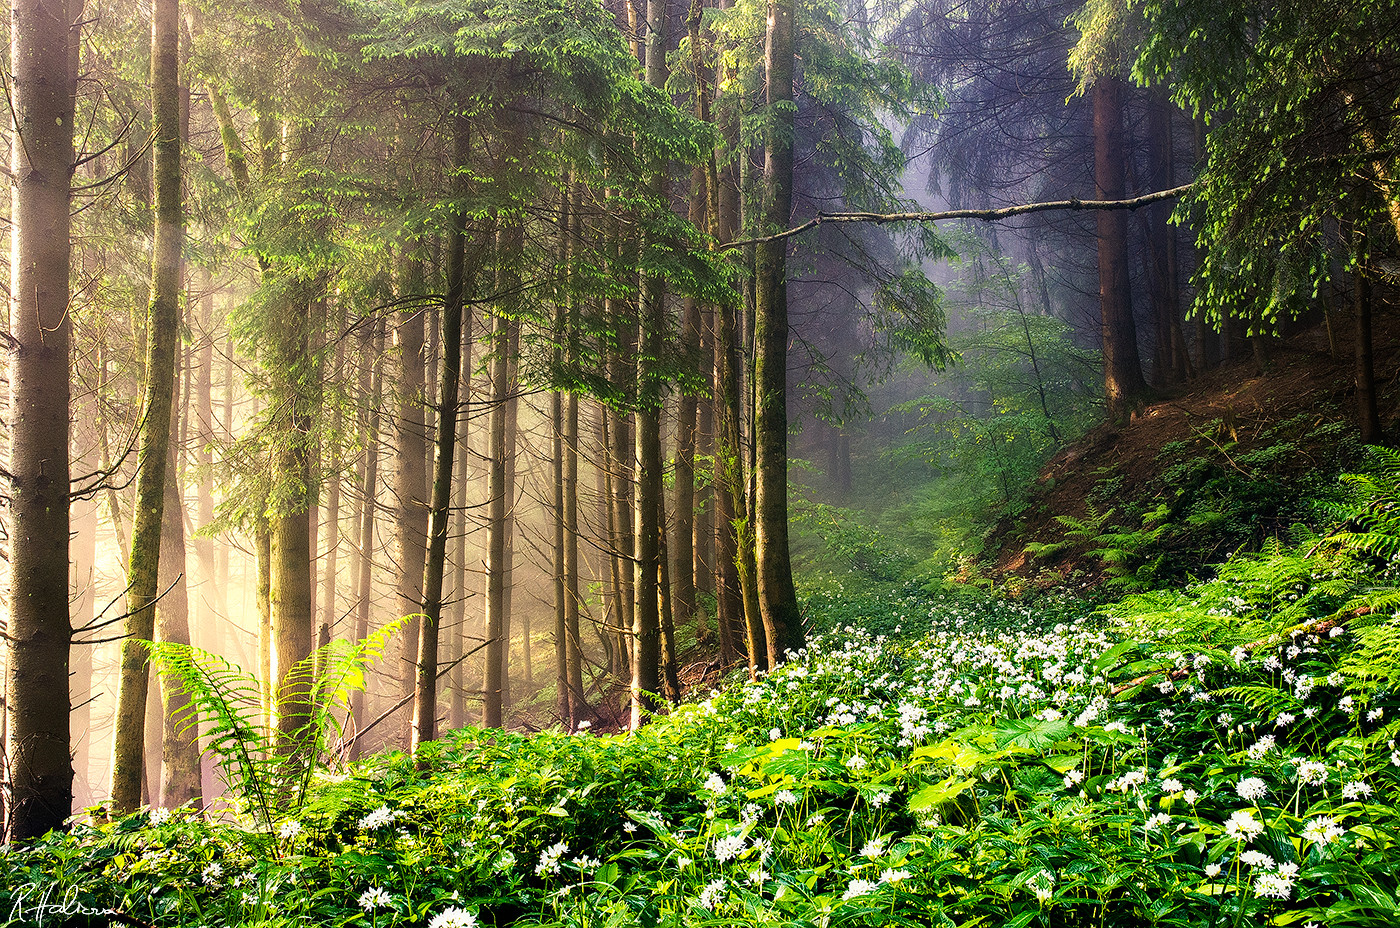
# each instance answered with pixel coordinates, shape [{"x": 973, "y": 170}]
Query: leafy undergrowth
[
  {"x": 1222, "y": 464},
  {"x": 1207, "y": 757}
]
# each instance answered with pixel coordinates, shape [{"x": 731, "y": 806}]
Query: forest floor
[{"x": 1232, "y": 415}]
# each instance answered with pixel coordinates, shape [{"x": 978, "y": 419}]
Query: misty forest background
[{"x": 497, "y": 317}]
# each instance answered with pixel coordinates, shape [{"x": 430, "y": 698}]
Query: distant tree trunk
[
  {"x": 372, "y": 348},
  {"x": 1124, "y": 386},
  {"x": 411, "y": 522},
  {"x": 620, "y": 473},
  {"x": 1367, "y": 414},
  {"x": 457, "y": 713},
  {"x": 180, "y": 782},
  {"x": 777, "y": 596},
  {"x": 1171, "y": 344},
  {"x": 228, "y": 433},
  {"x": 83, "y": 596},
  {"x": 614, "y": 623},
  {"x": 333, "y": 495},
  {"x": 211, "y": 585},
  {"x": 499, "y": 497},
  {"x": 573, "y": 657},
  {"x": 704, "y": 211},
  {"x": 262, "y": 549},
  {"x": 562, "y": 698},
  {"x": 682, "y": 551},
  {"x": 163, "y": 333},
  {"x": 508, "y": 563},
  {"x": 727, "y": 466},
  {"x": 440, "y": 512},
  {"x": 670, "y": 670},
  {"x": 646, "y": 618}
]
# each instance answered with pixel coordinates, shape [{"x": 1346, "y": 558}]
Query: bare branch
[{"x": 985, "y": 215}]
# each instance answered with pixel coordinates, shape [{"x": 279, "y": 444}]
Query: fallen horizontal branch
[{"x": 985, "y": 215}]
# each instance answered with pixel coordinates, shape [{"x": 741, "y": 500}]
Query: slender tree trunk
[
  {"x": 1124, "y": 386},
  {"x": 411, "y": 524},
  {"x": 180, "y": 782},
  {"x": 211, "y": 585},
  {"x": 223, "y": 549},
  {"x": 613, "y": 619},
  {"x": 512, "y": 452},
  {"x": 499, "y": 499},
  {"x": 740, "y": 623},
  {"x": 573, "y": 657},
  {"x": 646, "y": 619},
  {"x": 670, "y": 671},
  {"x": 620, "y": 472},
  {"x": 777, "y": 597},
  {"x": 562, "y": 700},
  {"x": 262, "y": 547},
  {"x": 457, "y": 714},
  {"x": 332, "y": 565},
  {"x": 162, "y": 330},
  {"x": 425, "y": 695},
  {"x": 372, "y": 347},
  {"x": 83, "y": 596}
]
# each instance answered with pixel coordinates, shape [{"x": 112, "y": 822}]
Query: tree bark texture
[
  {"x": 289, "y": 364},
  {"x": 646, "y": 618},
  {"x": 440, "y": 512},
  {"x": 40, "y": 776},
  {"x": 410, "y": 485},
  {"x": 1124, "y": 386},
  {"x": 162, "y": 338},
  {"x": 777, "y": 596},
  {"x": 372, "y": 346},
  {"x": 180, "y": 756},
  {"x": 499, "y": 498}
]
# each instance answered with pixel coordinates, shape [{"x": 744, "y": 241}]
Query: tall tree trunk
[
  {"x": 440, "y": 513},
  {"x": 332, "y": 565},
  {"x": 1124, "y": 386},
  {"x": 1171, "y": 345},
  {"x": 293, "y": 380},
  {"x": 457, "y": 713},
  {"x": 262, "y": 554},
  {"x": 162, "y": 337},
  {"x": 620, "y": 471},
  {"x": 508, "y": 563},
  {"x": 741, "y": 624},
  {"x": 562, "y": 296},
  {"x": 180, "y": 780},
  {"x": 573, "y": 657},
  {"x": 646, "y": 618},
  {"x": 83, "y": 596},
  {"x": 372, "y": 348},
  {"x": 223, "y": 549},
  {"x": 212, "y": 592},
  {"x": 614, "y": 622},
  {"x": 410, "y": 486},
  {"x": 777, "y": 597},
  {"x": 499, "y": 496}
]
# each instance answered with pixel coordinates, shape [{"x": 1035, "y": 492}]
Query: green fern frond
[
  {"x": 1266, "y": 700},
  {"x": 324, "y": 681},
  {"x": 228, "y": 700}
]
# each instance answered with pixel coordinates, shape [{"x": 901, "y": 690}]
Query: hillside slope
[{"x": 1228, "y": 461}]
